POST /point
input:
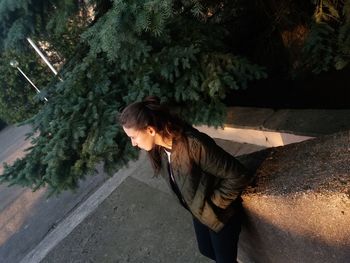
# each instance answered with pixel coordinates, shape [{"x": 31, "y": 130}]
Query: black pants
[{"x": 221, "y": 246}]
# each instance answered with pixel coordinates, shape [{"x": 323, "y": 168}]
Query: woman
[{"x": 206, "y": 180}]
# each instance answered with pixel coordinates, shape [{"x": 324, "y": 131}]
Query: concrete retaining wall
[{"x": 299, "y": 208}]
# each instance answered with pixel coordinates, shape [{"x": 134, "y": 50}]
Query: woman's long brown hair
[{"x": 149, "y": 112}]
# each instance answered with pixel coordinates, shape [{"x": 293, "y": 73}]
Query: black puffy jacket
[{"x": 209, "y": 179}]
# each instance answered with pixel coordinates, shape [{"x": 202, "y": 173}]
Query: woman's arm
[{"x": 213, "y": 160}]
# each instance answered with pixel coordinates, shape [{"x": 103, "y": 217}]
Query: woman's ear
[{"x": 151, "y": 131}]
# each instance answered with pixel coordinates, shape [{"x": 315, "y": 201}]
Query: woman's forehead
[{"x": 130, "y": 131}]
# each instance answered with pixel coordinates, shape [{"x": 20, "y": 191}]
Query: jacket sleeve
[{"x": 232, "y": 176}]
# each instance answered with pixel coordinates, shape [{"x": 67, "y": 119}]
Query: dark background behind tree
[{"x": 199, "y": 56}]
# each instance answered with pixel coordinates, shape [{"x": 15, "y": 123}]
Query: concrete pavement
[
  {"x": 132, "y": 216},
  {"x": 26, "y": 217}
]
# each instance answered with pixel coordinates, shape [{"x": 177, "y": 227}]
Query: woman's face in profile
[{"x": 144, "y": 139}]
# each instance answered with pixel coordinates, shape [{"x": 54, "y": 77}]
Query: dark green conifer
[{"x": 190, "y": 53}]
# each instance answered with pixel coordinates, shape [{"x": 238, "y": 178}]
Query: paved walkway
[{"x": 27, "y": 217}]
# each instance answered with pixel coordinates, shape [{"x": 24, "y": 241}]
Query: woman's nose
[{"x": 133, "y": 143}]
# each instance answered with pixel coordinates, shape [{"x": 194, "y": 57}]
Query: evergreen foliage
[
  {"x": 18, "y": 99},
  {"x": 343, "y": 55},
  {"x": 2, "y": 124},
  {"x": 162, "y": 50},
  {"x": 328, "y": 43},
  {"x": 190, "y": 53},
  {"x": 320, "y": 48},
  {"x": 77, "y": 128},
  {"x": 59, "y": 23}
]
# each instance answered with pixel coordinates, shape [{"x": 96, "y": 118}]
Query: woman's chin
[{"x": 148, "y": 149}]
